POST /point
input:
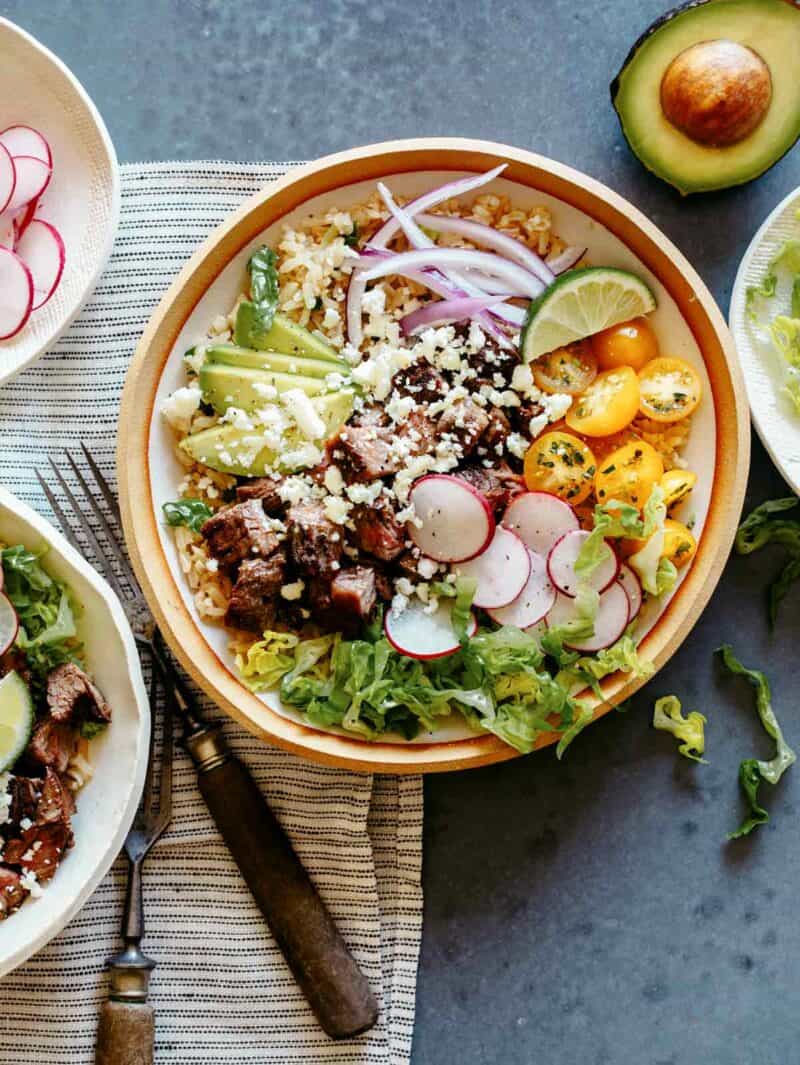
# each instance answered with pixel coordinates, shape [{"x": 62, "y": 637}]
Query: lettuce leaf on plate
[{"x": 787, "y": 258}]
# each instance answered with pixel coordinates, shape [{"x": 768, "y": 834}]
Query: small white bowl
[
  {"x": 82, "y": 199},
  {"x": 107, "y": 803}
]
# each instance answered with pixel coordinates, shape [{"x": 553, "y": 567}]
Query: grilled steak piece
[
  {"x": 366, "y": 453},
  {"x": 373, "y": 416},
  {"x": 466, "y": 421},
  {"x": 56, "y": 804},
  {"x": 12, "y": 893},
  {"x": 242, "y": 531},
  {"x": 353, "y": 592},
  {"x": 497, "y": 431},
  {"x": 378, "y": 532},
  {"x": 315, "y": 542},
  {"x": 39, "y": 849},
  {"x": 51, "y": 744},
  {"x": 255, "y": 596},
  {"x": 497, "y": 484},
  {"x": 24, "y": 799},
  {"x": 520, "y": 417},
  {"x": 15, "y": 661},
  {"x": 265, "y": 489},
  {"x": 420, "y": 380},
  {"x": 71, "y": 696}
]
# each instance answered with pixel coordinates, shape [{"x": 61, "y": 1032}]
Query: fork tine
[
  {"x": 165, "y": 784},
  {"x": 112, "y": 536},
  {"x": 102, "y": 484},
  {"x": 58, "y": 510},
  {"x": 102, "y": 558},
  {"x": 147, "y": 791}
]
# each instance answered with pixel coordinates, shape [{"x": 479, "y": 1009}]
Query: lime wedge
[
  {"x": 581, "y": 303},
  {"x": 16, "y": 719}
]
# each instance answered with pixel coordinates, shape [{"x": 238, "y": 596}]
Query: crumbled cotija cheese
[
  {"x": 181, "y": 406},
  {"x": 301, "y": 410},
  {"x": 293, "y": 591}
]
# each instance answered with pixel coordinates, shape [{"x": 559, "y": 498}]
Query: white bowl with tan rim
[{"x": 585, "y": 212}]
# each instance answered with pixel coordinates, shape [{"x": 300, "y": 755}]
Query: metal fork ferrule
[{"x": 207, "y": 748}]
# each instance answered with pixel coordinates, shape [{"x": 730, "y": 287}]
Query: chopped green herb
[
  {"x": 192, "y": 513},
  {"x": 351, "y": 239}
]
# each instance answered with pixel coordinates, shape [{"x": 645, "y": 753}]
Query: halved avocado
[
  {"x": 238, "y": 386},
  {"x": 276, "y": 361},
  {"x": 283, "y": 335},
  {"x": 709, "y": 96}
]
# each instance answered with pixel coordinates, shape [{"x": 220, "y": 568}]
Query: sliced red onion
[
  {"x": 442, "y": 312},
  {"x": 487, "y": 237},
  {"x": 446, "y": 259},
  {"x": 566, "y": 259},
  {"x": 450, "y": 191}
]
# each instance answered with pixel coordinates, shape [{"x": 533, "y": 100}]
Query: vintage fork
[{"x": 336, "y": 989}]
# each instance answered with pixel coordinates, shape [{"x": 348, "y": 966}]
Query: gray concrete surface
[{"x": 587, "y": 912}]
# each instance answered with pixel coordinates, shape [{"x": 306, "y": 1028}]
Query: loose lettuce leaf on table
[
  {"x": 668, "y": 717},
  {"x": 765, "y": 525}
]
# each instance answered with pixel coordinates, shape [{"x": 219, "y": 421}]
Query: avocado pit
[{"x": 716, "y": 92}]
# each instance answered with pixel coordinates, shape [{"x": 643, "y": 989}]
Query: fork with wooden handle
[{"x": 327, "y": 973}]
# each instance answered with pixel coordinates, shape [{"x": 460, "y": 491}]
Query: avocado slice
[
  {"x": 237, "y": 386},
  {"x": 742, "y": 54},
  {"x": 227, "y": 449},
  {"x": 283, "y": 335},
  {"x": 276, "y": 361}
]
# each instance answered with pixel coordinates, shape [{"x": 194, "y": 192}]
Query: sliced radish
[
  {"x": 33, "y": 177},
  {"x": 633, "y": 588},
  {"x": 414, "y": 633},
  {"x": 540, "y": 519},
  {"x": 561, "y": 564},
  {"x": 16, "y": 293},
  {"x": 8, "y": 178},
  {"x": 457, "y": 521},
  {"x": 609, "y": 625},
  {"x": 533, "y": 602},
  {"x": 501, "y": 571},
  {"x": 9, "y": 623},
  {"x": 24, "y": 140},
  {"x": 8, "y": 230},
  {"x": 42, "y": 250}
]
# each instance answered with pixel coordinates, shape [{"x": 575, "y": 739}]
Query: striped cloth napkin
[{"x": 222, "y": 991}]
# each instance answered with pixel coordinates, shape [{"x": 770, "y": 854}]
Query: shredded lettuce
[
  {"x": 668, "y": 717},
  {"x": 752, "y": 771},
  {"x": 786, "y": 258},
  {"x": 765, "y": 525},
  {"x": 785, "y": 335}
]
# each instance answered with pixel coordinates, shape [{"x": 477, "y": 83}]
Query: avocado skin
[{"x": 614, "y": 88}]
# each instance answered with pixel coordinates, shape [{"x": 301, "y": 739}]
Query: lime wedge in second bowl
[
  {"x": 16, "y": 718},
  {"x": 581, "y": 303}
]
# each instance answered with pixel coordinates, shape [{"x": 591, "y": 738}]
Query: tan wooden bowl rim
[{"x": 260, "y": 211}]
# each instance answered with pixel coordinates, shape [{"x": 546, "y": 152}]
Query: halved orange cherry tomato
[
  {"x": 562, "y": 464},
  {"x": 670, "y": 389},
  {"x": 632, "y": 343},
  {"x": 629, "y": 474},
  {"x": 571, "y": 369},
  {"x": 676, "y": 486},
  {"x": 609, "y": 404},
  {"x": 680, "y": 546}
]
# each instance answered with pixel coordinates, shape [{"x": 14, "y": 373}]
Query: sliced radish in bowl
[
  {"x": 533, "y": 602},
  {"x": 8, "y": 178},
  {"x": 9, "y": 623},
  {"x": 540, "y": 520},
  {"x": 561, "y": 564},
  {"x": 633, "y": 588},
  {"x": 8, "y": 230},
  {"x": 501, "y": 571},
  {"x": 33, "y": 177},
  {"x": 609, "y": 625},
  {"x": 42, "y": 250},
  {"x": 24, "y": 140},
  {"x": 416, "y": 634},
  {"x": 457, "y": 520},
  {"x": 16, "y": 293}
]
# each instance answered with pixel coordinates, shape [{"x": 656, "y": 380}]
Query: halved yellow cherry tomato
[
  {"x": 628, "y": 474},
  {"x": 632, "y": 343},
  {"x": 679, "y": 544},
  {"x": 562, "y": 464},
  {"x": 676, "y": 486},
  {"x": 670, "y": 389},
  {"x": 609, "y": 404},
  {"x": 571, "y": 369}
]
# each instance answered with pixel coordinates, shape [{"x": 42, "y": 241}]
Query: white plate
[
  {"x": 573, "y": 226},
  {"x": 107, "y": 804},
  {"x": 82, "y": 199},
  {"x": 774, "y": 416}
]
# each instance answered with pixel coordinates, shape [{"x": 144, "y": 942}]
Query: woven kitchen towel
[{"x": 222, "y": 991}]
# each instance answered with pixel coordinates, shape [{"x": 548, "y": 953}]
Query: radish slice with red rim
[
  {"x": 457, "y": 521},
  {"x": 16, "y": 293},
  {"x": 533, "y": 602},
  {"x": 609, "y": 624},
  {"x": 633, "y": 588},
  {"x": 540, "y": 520},
  {"x": 33, "y": 177},
  {"x": 561, "y": 565},
  {"x": 42, "y": 250},
  {"x": 9, "y": 623},
  {"x": 8, "y": 178},
  {"x": 8, "y": 230},
  {"x": 501, "y": 571},
  {"x": 24, "y": 140},
  {"x": 417, "y": 634}
]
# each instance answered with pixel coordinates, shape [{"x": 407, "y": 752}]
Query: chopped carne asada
[
  {"x": 242, "y": 531},
  {"x": 254, "y": 600},
  {"x": 71, "y": 696}
]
